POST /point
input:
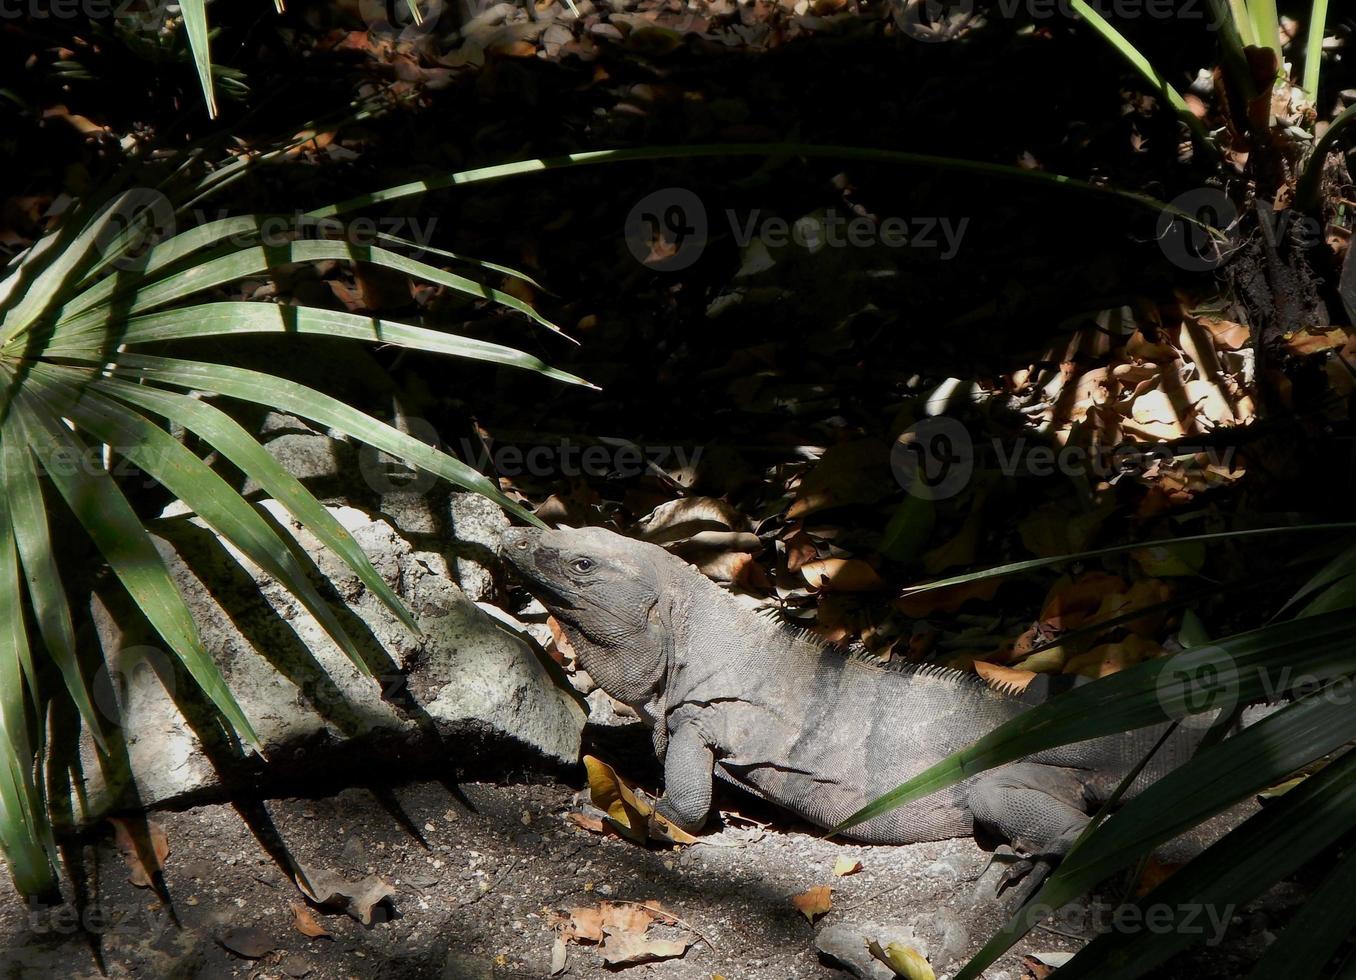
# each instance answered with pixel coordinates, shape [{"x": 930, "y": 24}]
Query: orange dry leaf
[
  {"x": 922, "y": 604},
  {"x": 305, "y": 923},
  {"x": 1111, "y": 657},
  {"x": 1071, "y": 602},
  {"x": 143, "y": 846},
  {"x": 841, "y": 575},
  {"x": 813, "y": 902},
  {"x": 995, "y": 675},
  {"x": 585, "y": 822}
]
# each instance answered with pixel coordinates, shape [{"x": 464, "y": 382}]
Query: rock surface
[{"x": 467, "y": 688}]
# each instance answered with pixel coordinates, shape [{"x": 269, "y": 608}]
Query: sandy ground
[{"x": 481, "y": 874}]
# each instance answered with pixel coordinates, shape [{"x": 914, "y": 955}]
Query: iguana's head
[{"x": 612, "y": 596}]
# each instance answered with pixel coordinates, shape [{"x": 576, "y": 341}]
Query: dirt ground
[{"x": 482, "y": 875}]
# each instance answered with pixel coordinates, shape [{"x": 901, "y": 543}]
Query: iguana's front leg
[
  {"x": 1041, "y": 809},
  {"x": 688, "y": 764}
]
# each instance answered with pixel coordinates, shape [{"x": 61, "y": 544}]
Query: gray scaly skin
[{"x": 728, "y": 692}]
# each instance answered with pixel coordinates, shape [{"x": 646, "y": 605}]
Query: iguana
[{"x": 729, "y": 692}]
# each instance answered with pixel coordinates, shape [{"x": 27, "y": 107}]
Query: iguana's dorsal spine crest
[{"x": 859, "y": 653}]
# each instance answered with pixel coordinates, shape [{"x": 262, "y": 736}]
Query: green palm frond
[{"x": 75, "y": 392}]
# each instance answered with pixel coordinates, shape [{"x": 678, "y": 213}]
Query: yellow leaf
[
  {"x": 627, "y": 813},
  {"x": 1178, "y": 560},
  {"x": 1048, "y": 661},
  {"x": 906, "y": 961},
  {"x": 846, "y": 866}
]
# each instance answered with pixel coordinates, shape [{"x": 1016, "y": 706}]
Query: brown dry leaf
[
  {"x": 1145, "y": 592},
  {"x": 948, "y": 600},
  {"x": 585, "y": 926},
  {"x": 626, "y": 949},
  {"x": 850, "y": 473},
  {"x": 1052, "y": 530},
  {"x": 994, "y": 675},
  {"x": 1111, "y": 657},
  {"x": 682, "y": 518},
  {"x": 813, "y": 902},
  {"x": 560, "y": 642},
  {"x": 1155, "y": 873},
  {"x": 304, "y": 921},
  {"x": 846, "y": 866},
  {"x": 1226, "y": 334},
  {"x": 329, "y": 889},
  {"x": 626, "y": 812},
  {"x": 841, "y": 575},
  {"x": 143, "y": 845},
  {"x": 1315, "y": 340},
  {"x": 582, "y": 820},
  {"x": 248, "y": 942},
  {"x": 1142, "y": 349},
  {"x": 1072, "y": 602},
  {"x": 81, "y": 124}
]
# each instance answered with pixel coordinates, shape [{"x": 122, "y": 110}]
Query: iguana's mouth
[{"x": 517, "y": 546}]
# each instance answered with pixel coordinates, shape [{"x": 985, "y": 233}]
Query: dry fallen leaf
[
  {"x": 813, "y": 902},
  {"x": 996, "y": 675},
  {"x": 626, "y": 949},
  {"x": 329, "y": 889},
  {"x": 846, "y": 866},
  {"x": 143, "y": 845},
  {"x": 627, "y": 813},
  {"x": 248, "y": 942},
  {"x": 841, "y": 575},
  {"x": 593, "y": 825},
  {"x": 905, "y": 961},
  {"x": 304, "y": 921},
  {"x": 585, "y": 925}
]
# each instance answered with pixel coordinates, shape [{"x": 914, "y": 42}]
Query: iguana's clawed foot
[{"x": 1020, "y": 879}]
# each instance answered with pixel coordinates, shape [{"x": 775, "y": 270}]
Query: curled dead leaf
[
  {"x": 329, "y": 889},
  {"x": 304, "y": 921}
]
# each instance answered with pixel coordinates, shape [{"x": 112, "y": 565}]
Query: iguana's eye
[{"x": 582, "y": 564}]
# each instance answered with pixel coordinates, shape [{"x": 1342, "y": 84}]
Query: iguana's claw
[{"x": 1024, "y": 877}]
